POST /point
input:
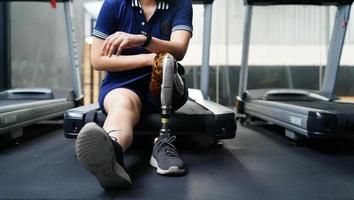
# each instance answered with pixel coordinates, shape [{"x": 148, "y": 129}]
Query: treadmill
[
  {"x": 303, "y": 113},
  {"x": 197, "y": 116},
  {"x": 21, "y": 107}
]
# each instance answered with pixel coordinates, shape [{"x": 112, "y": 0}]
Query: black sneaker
[
  {"x": 102, "y": 156},
  {"x": 165, "y": 157}
]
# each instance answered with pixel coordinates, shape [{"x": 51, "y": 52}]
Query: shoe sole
[
  {"x": 173, "y": 170},
  {"x": 95, "y": 152}
]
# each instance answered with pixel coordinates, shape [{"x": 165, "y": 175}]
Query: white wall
[{"x": 281, "y": 35}]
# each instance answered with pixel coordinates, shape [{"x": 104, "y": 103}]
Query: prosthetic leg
[
  {"x": 167, "y": 85},
  {"x": 166, "y": 82}
]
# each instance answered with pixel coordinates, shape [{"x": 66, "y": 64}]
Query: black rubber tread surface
[{"x": 258, "y": 164}]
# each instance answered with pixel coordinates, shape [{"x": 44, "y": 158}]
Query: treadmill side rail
[
  {"x": 309, "y": 122},
  {"x": 224, "y": 119},
  {"x": 14, "y": 119},
  {"x": 74, "y": 119},
  {"x": 322, "y": 123}
]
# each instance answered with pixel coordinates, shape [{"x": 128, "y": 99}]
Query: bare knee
[{"x": 121, "y": 101}]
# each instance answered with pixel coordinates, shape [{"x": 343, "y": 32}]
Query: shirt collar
[{"x": 161, "y": 5}]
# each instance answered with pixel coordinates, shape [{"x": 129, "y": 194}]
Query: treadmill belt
[{"x": 192, "y": 108}]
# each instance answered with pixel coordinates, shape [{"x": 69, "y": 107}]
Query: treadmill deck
[
  {"x": 310, "y": 118},
  {"x": 15, "y": 114}
]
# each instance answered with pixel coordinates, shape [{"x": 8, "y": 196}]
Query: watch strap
[{"x": 148, "y": 39}]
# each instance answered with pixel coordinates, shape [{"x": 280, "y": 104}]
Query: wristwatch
[{"x": 148, "y": 39}]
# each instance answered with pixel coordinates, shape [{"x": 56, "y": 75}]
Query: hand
[{"x": 119, "y": 41}]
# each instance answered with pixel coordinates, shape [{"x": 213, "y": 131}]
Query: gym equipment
[
  {"x": 197, "y": 116},
  {"x": 302, "y": 113},
  {"x": 24, "y": 106}
]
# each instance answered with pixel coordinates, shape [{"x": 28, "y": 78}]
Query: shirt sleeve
[
  {"x": 184, "y": 17},
  {"x": 105, "y": 24}
]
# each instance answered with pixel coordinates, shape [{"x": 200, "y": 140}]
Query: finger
[
  {"x": 124, "y": 42},
  {"x": 104, "y": 45},
  {"x": 109, "y": 45},
  {"x": 121, "y": 47},
  {"x": 109, "y": 42},
  {"x": 110, "y": 52},
  {"x": 114, "y": 46}
]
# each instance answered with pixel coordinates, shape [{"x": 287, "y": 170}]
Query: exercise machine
[
  {"x": 20, "y": 107},
  {"x": 302, "y": 113},
  {"x": 197, "y": 116}
]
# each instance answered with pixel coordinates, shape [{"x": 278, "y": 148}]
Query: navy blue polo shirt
[{"x": 127, "y": 16}]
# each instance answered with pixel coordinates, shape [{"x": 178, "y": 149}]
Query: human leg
[
  {"x": 99, "y": 150},
  {"x": 123, "y": 108}
]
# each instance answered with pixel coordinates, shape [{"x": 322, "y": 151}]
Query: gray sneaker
[
  {"x": 101, "y": 156},
  {"x": 165, "y": 157}
]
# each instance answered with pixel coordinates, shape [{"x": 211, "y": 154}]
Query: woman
[{"x": 127, "y": 37}]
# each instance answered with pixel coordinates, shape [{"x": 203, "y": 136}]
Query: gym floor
[{"x": 259, "y": 164}]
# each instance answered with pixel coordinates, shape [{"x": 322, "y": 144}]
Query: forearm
[
  {"x": 121, "y": 63},
  {"x": 177, "y": 46},
  {"x": 104, "y": 58}
]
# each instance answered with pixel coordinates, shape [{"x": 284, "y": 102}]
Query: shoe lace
[
  {"x": 111, "y": 131},
  {"x": 166, "y": 145}
]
